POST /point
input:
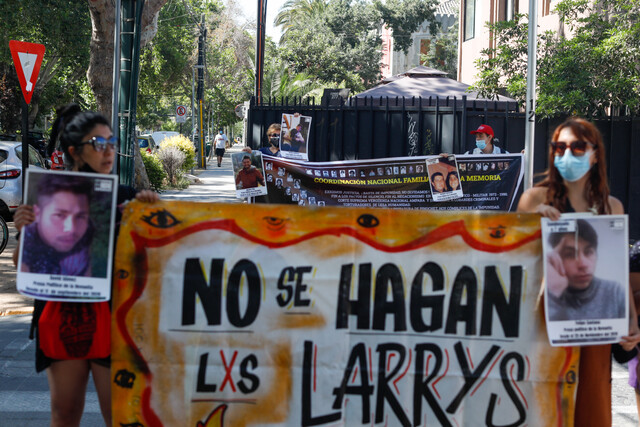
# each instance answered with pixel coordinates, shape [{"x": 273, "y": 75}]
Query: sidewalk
[{"x": 215, "y": 185}]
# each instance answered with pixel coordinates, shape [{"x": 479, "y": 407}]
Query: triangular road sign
[{"x": 27, "y": 58}]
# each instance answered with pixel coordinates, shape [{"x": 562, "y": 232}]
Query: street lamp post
[{"x": 193, "y": 101}]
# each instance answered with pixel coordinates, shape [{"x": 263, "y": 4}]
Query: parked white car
[
  {"x": 11, "y": 174},
  {"x": 160, "y": 135}
]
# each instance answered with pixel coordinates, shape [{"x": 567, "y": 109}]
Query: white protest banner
[{"x": 244, "y": 315}]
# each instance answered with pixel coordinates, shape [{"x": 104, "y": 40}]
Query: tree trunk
[{"x": 100, "y": 72}]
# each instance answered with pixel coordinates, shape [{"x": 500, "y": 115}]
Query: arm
[
  {"x": 533, "y": 201},
  {"x": 148, "y": 196},
  {"x": 260, "y": 177}
]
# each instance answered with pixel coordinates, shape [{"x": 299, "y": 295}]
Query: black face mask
[{"x": 274, "y": 141}]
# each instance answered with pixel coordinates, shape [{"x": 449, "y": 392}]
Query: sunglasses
[
  {"x": 578, "y": 148},
  {"x": 100, "y": 144},
  {"x": 273, "y": 135}
]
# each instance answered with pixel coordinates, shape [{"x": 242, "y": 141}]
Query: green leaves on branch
[{"x": 586, "y": 74}]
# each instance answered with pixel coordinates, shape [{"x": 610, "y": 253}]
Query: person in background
[
  {"x": 89, "y": 146},
  {"x": 576, "y": 181},
  {"x": 273, "y": 138},
  {"x": 220, "y": 143},
  {"x": 485, "y": 141}
]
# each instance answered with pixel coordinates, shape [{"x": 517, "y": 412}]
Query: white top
[
  {"x": 221, "y": 141},
  {"x": 496, "y": 150}
]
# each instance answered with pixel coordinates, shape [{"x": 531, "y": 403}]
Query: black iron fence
[{"x": 367, "y": 128}]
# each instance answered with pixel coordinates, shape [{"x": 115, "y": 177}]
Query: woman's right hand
[
  {"x": 557, "y": 280},
  {"x": 23, "y": 216},
  {"x": 548, "y": 212}
]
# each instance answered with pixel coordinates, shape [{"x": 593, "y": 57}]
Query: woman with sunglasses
[
  {"x": 576, "y": 181},
  {"x": 273, "y": 137},
  {"x": 89, "y": 146}
]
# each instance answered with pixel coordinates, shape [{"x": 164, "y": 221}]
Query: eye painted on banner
[
  {"x": 123, "y": 274},
  {"x": 215, "y": 418},
  {"x": 368, "y": 221},
  {"x": 498, "y": 232},
  {"x": 274, "y": 223},
  {"x": 124, "y": 378},
  {"x": 570, "y": 377},
  {"x": 161, "y": 219}
]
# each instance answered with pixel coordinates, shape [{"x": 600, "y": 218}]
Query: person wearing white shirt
[{"x": 220, "y": 144}]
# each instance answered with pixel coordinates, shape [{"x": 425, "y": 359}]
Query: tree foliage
[
  {"x": 340, "y": 41},
  {"x": 592, "y": 69},
  {"x": 64, "y": 28}
]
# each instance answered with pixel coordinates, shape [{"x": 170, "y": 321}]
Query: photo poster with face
[
  {"x": 248, "y": 172},
  {"x": 294, "y": 136},
  {"x": 66, "y": 254},
  {"x": 586, "y": 270},
  {"x": 444, "y": 178}
]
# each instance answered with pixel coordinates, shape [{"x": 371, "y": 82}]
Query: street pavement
[{"x": 24, "y": 395}]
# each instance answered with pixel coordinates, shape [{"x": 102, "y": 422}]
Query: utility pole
[
  {"x": 128, "y": 99},
  {"x": 530, "y": 124},
  {"x": 202, "y": 162},
  {"x": 262, "y": 18}
]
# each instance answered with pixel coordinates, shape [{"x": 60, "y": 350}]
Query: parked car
[
  {"x": 147, "y": 143},
  {"x": 160, "y": 135},
  {"x": 11, "y": 174},
  {"x": 39, "y": 142}
]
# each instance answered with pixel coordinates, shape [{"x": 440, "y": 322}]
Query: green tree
[
  {"x": 585, "y": 74},
  {"x": 342, "y": 43},
  {"x": 65, "y": 30},
  {"x": 293, "y": 12}
]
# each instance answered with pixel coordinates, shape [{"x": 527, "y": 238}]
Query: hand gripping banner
[{"x": 253, "y": 315}]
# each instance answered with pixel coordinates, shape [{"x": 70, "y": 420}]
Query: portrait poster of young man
[
  {"x": 66, "y": 254},
  {"x": 248, "y": 170},
  {"x": 586, "y": 279}
]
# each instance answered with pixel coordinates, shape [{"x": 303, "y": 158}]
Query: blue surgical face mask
[
  {"x": 481, "y": 144},
  {"x": 573, "y": 168}
]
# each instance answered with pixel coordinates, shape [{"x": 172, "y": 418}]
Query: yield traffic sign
[{"x": 27, "y": 58}]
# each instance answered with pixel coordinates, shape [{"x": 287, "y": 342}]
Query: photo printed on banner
[
  {"x": 444, "y": 178},
  {"x": 248, "y": 171},
  {"x": 66, "y": 254},
  {"x": 294, "y": 136},
  {"x": 587, "y": 280}
]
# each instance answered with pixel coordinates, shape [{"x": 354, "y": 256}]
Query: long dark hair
[
  {"x": 70, "y": 126},
  {"x": 597, "y": 186}
]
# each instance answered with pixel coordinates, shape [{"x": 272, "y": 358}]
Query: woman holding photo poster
[
  {"x": 89, "y": 146},
  {"x": 576, "y": 181}
]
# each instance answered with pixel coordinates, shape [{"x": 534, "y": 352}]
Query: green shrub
[
  {"x": 154, "y": 168},
  {"x": 183, "y": 144}
]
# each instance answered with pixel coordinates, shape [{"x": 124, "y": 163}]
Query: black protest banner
[{"x": 489, "y": 182}]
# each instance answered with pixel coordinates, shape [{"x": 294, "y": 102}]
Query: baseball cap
[{"x": 483, "y": 129}]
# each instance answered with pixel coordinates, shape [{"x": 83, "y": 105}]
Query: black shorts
[{"x": 219, "y": 151}]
